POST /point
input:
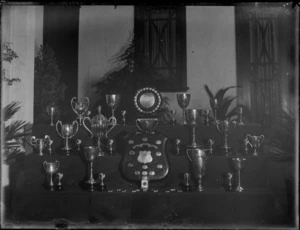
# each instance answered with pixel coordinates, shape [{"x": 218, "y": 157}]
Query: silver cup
[
  {"x": 51, "y": 110},
  {"x": 238, "y": 164},
  {"x": 113, "y": 102},
  {"x": 255, "y": 142},
  {"x": 41, "y": 143},
  {"x": 67, "y": 132},
  {"x": 80, "y": 107},
  {"x": 225, "y": 127},
  {"x": 240, "y": 116},
  {"x": 198, "y": 157},
  {"x": 214, "y": 103},
  {"x": 51, "y": 168},
  {"x": 183, "y": 100},
  {"x": 146, "y": 125},
  {"x": 90, "y": 153},
  {"x": 193, "y": 117},
  {"x": 100, "y": 127}
]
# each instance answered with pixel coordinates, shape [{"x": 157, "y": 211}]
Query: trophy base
[
  {"x": 102, "y": 188},
  {"x": 239, "y": 189}
]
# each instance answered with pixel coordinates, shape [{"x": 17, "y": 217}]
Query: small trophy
[
  {"x": 238, "y": 164},
  {"x": 183, "y": 100},
  {"x": 206, "y": 117},
  {"x": 50, "y": 142},
  {"x": 240, "y": 115},
  {"x": 214, "y": 105},
  {"x": 210, "y": 143},
  {"x": 59, "y": 186},
  {"x": 51, "y": 111},
  {"x": 113, "y": 101},
  {"x": 255, "y": 142},
  {"x": 186, "y": 182},
  {"x": 225, "y": 127},
  {"x": 78, "y": 143},
  {"x": 51, "y": 168},
  {"x": 245, "y": 145},
  {"x": 110, "y": 143},
  {"x": 90, "y": 154},
  {"x": 101, "y": 177},
  {"x": 228, "y": 181},
  {"x": 178, "y": 142},
  {"x": 67, "y": 132},
  {"x": 41, "y": 143},
  {"x": 173, "y": 119},
  {"x": 123, "y": 112},
  {"x": 80, "y": 107}
]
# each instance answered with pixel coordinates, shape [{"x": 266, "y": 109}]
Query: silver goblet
[
  {"x": 90, "y": 153},
  {"x": 255, "y": 142},
  {"x": 238, "y": 164},
  {"x": 225, "y": 127},
  {"x": 214, "y": 105},
  {"x": 183, "y": 100},
  {"x": 193, "y": 117},
  {"x": 41, "y": 143},
  {"x": 113, "y": 101},
  {"x": 146, "y": 125},
  {"x": 51, "y": 168},
  {"x": 51, "y": 110},
  {"x": 67, "y": 132},
  {"x": 80, "y": 107}
]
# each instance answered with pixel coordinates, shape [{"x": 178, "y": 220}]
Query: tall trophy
[
  {"x": 214, "y": 105},
  {"x": 240, "y": 116},
  {"x": 113, "y": 101},
  {"x": 51, "y": 168},
  {"x": 51, "y": 110},
  {"x": 196, "y": 154},
  {"x": 225, "y": 127},
  {"x": 41, "y": 143},
  {"x": 255, "y": 142},
  {"x": 238, "y": 164},
  {"x": 67, "y": 132},
  {"x": 80, "y": 107},
  {"x": 100, "y": 127},
  {"x": 183, "y": 100},
  {"x": 90, "y": 154}
]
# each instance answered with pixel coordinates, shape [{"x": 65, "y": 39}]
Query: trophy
[
  {"x": 240, "y": 114},
  {"x": 59, "y": 185},
  {"x": 90, "y": 154},
  {"x": 173, "y": 119},
  {"x": 183, "y": 100},
  {"x": 51, "y": 111},
  {"x": 50, "y": 142},
  {"x": 210, "y": 142},
  {"x": 123, "y": 112},
  {"x": 110, "y": 143},
  {"x": 206, "y": 117},
  {"x": 101, "y": 177},
  {"x": 113, "y": 101},
  {"x": 41, "y": 143},
  {"x": 100, "y": 127},
  {"x": 255, "y": 142},
  {"x": 193, "y": 117},
  {"x": 186, "y": 182},
  {"x": 67, "y": 132},
  {"x": 78, "y": 143},
  {"x": 80, "y": 107},
  {"x": 228, "y": 181},
  {"x": 146, "y": 125},
  {"x": 51, "y": 168},
  {"x": 225, "y": 127},
  {"x": 246, "y": 143},
  {"x": 238, "y": 164},
  {"x": 214, "y": 105},
  {"x": 177, "y": 141}
]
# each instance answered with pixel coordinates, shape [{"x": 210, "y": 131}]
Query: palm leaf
[
  {"x": 12, "y": 131},
  {"x": 210, "y": 94},
  {"x": 222, "y": 110},
  {"x": 10, "y": 110},
  {"x": 220, "y": 94}
]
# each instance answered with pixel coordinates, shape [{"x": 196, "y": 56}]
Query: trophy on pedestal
[
  {"x": 173, "y": 119},
  {"x": 90, "y": 154},
  {"x": 67, "y": 132},
  {"x": 255, "y": 142},
  {"x": 80, "y": 107},
  {"x": 196, "y": 154},
  {"x": 51, "y": 168},
  {"x": 102, "y": 185},
  {"x": 113, "y": 101},
  {"x": 214, "y": 104},
  {"x": 100, "y": 127},
  {"x": 51, "y": 110},
  {"x": 225, "y": 127},
  {"x": 238, "y": 164},
  {"x": 240, "y": 116},
  {"x": 183, "y": 100},
  {"x": 41, "y": 143}
]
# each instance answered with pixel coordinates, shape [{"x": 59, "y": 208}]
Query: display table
[{"x": 163, "y": 203}]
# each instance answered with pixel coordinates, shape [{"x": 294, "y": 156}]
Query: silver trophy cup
[
  {"x": 80, "y": 107},
  {"x": 41, "y": 143},
  {"x": 51, "y": 168},
  {"x": 90, "y": 153},
  {"x": 238, "y": 164},
  {"x": 67, "y": 132},
  {"x": 113, "y": 102},
  {"x": 255, "y": 142},
  {"x": 225, "y": 127},
  {"x": 146, "y": 125},
  {"x": 194, "y": 120},
  {"x": 183, "y": 100}
]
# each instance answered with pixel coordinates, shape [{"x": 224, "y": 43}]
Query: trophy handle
[
  {"x": 59, "y": 122},
  {"x": 45, "y": 165},
  {"x": 75, "y": 122},
  {"x": 112, "y": 122},
  {"x": 33, "y": 140},
  {"x": 86, "y": 126},
  {"x": 88, "y": 102},
  {"x": 72, "y": 104}
]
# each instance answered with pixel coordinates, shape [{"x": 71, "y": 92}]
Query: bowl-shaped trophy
[
  {"x": 146, "y": 125},
  {"x": 51, "y": 168},
  {"x": 183, "y": 100},
  {"x": 255, "y": 142},
  {"x": 225, "y": 127},
  {"x": 41, "y": 143},
  {"x": 198, "y": 157},
  {"x": 113, "y": 102},
  {"x": 194, "y": 120},
  {"x": 67, "y": 132},
  {"x": 100, "y": 127},
  {"x": 90, "y": 153},
  {"x": 80, "y": 107},
  {"x": 238, "y": 164}
]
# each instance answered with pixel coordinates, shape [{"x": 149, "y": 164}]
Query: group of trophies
[{"x": 101, "y": 126}]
